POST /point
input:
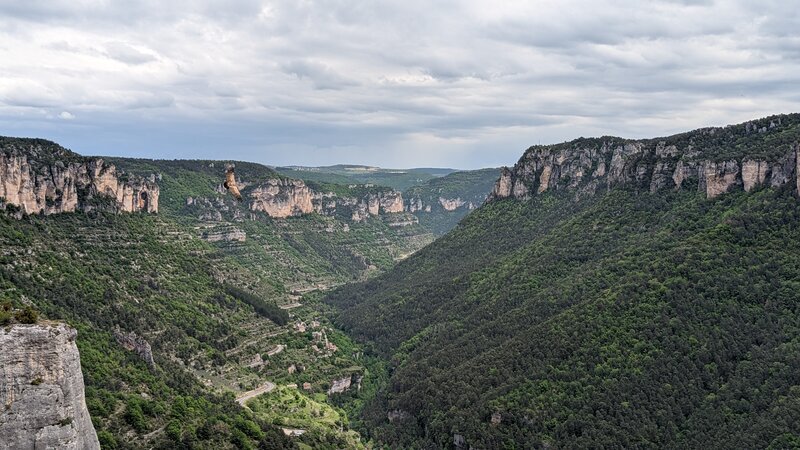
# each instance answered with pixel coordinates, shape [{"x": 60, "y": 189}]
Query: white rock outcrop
[
  {"x": 42, "y": 178},
  {"x": 42, "y": 404},
  {"x": 679, "y": 162},
  {"x": 341, "y": 385}
]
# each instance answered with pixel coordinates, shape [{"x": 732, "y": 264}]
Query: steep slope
[
  {"x": 41, "y": 389},
  {"x": 148, "y": 311},
  {"x": 179, "y": 312},
  {"x": 441, "y": 203},
  {"x": 39, "y": 176},
  {"x": 591, "y": 306}
]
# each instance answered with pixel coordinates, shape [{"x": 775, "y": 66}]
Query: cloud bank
[{"x": 414, "y": 83}]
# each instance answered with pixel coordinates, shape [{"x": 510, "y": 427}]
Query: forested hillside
[
  {"x": 180, "y": 312},
  {"x": 440, "y": 203},
  {"x": 621, "y": 317}
]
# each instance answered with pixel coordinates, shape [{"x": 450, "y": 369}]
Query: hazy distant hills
[
  {"x": 439, "y": 198},
  {"x": 400, "y": 179}
]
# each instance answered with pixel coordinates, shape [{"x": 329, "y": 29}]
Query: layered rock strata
[
  {"x": 41, "y": 178},
  {"x": 42, "y": 402},
  {"x": 680, "y": 162}
]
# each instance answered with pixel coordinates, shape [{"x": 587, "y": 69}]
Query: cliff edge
[
  {"x": 42, "y": 404},
  {"x": 714, "y": 161},
  {"x": 41, "y": 177}
]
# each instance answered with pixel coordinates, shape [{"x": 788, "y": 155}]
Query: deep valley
[{"x": 602, "y": 292}]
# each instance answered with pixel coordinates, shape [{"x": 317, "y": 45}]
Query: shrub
[
  {"x": 174, "y": 430},
  {"x": 27, "y": 315},
  {"x": 135, "y": 417},
  {"x": 107, "y": 440}
]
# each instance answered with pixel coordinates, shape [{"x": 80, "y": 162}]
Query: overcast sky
[{"x": 408, "y": 83}]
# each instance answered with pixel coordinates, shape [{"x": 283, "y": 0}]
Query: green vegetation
[
  {"x": 265, "y": 309},
  {"x": 214, "y": 311},
  {"x": 622, "y": 320},
  {"x": 5, "y": 312},
  {"x": 27, "y": 315},
  {"x": 42, "y": 151},
  {"x": 465, "y": 190},
  {"x": 98, "y": 271},
  {"x": 399, "y": 179},
  {"x": 322, "y": 423}
]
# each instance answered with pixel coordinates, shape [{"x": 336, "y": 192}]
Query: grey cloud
[
  {"x": 148, "y": 100},
  {"x": 322, "y": 76},
  {"x": 286, "y": 81},
  {"x": 126, "y": 53}
]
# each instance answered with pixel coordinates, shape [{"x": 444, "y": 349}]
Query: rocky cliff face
[
  {"x": 42, "y": 178},
  {"x": 375, "y": 204},
  {"x": 282, "y": 198},
  {"x": 712, "y": 160},
  {"x": 42, "y": 401},
  {"x": 418, "y": 204},
  {"x": 137, "y": 344},
  {"x": 344, "y": 384}
]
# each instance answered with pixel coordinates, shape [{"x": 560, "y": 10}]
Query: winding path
[{"x": 243, "y": 398}]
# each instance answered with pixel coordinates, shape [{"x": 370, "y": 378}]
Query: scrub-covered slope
[
  {"x": 180, "y": 310},
  {"x": 632, "y": 312},
  {"x": 440, "y": 203}
]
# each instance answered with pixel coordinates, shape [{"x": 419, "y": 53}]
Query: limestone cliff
[
  {"x": 442, "y": 202},
  {"x": 41, "y": 177},
  {"x": 375, "y": 204},
  {"x": 41, "y": 390},
  {"x": 282, "y": 198},
  {"x": 712, "y": 160}
]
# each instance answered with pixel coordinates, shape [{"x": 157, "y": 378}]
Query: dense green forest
[
  {"x": 103, "y": 271},
  {"x": 466, "y": 191},
  {"x": 216, "y": 292},
  {"x": 615, "y": 320},
  {"x": 626, "y": 320}
]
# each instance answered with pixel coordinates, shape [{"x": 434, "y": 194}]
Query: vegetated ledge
[
  {"x": 712, "y": 160},
  {"x": 42, "y": 402}
]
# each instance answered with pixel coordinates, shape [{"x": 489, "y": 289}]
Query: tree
[{"x": 27, "y": 315}]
